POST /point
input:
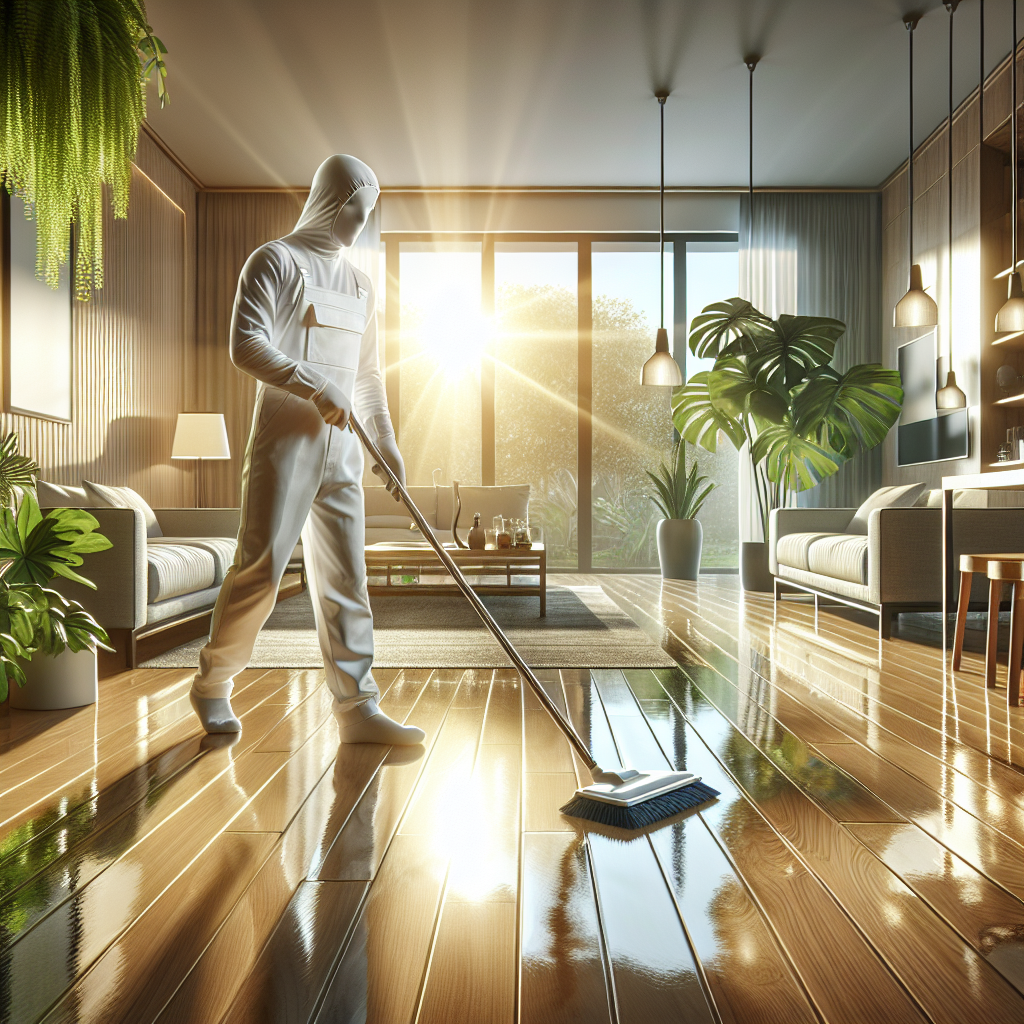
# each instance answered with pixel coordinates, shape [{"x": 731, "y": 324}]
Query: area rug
[{"x": 584, "y": 628}]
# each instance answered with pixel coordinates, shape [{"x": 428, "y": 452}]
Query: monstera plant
[{"x": 774, "y": 389}]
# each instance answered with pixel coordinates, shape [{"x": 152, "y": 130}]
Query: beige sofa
[{"x": 896, "y": 566}]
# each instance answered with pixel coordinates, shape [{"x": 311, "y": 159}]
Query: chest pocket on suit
[{"x": 334, "y": 325}]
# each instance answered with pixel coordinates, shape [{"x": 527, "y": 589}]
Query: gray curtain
[{"x": 837, "y": 240}]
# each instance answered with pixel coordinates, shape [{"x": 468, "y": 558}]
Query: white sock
[{"x": 366, "y": 723}]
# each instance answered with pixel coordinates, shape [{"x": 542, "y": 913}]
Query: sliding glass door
[
  {"x": 632, "y": 424},
  {"x": 535, "y": 384},
  {"x": 444, "y": 334},
  {"x": 516, "y": 359}
]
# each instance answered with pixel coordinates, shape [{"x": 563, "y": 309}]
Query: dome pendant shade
[
  {"x": 661, "y": 370},
  {"x": 1011, "y": 314},
  {"x": 917, "y": 308},
  {"x": 950, "y": 396}
]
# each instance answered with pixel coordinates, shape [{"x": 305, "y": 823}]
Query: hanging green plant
[{"x": 72, "y": 96}]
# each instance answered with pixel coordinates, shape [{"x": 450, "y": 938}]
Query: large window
[
  {"x": 536, "y": 382},
  {"x": 632, "y": 423},
  {"x": 443, "y": 338},
  {"x": 497, "y": 375}
]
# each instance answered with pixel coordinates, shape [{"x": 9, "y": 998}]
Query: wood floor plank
[
  {"x": 220, "y": 970},
  {"x": 300, "y": 722},
  {"x": 987, "y": 917},
  {"x": 504, "y": 721},
  {"x": 437, "y": 803},
  {"x": 655, "y": 975},
  {"x": 287, "y": 981},
  {"x": 562, "y": 972},
  {"x": 986, "y": 850},
  {"x": 750, "y": 979},
  {"x": 544, "y": 793},
  {"x": 949, "y": 980},
  {"x": 485, "y": 857},
  {"x": 357, "y": 850},
  {"x": 472, "y": 977},
  {"x": 136, "y": 976},
  {"x": 91, "y": 917},
  {"x": 844, "y": 975},
  {"x": 278, "y": 802},
  {"x": 395, "y": 928}
]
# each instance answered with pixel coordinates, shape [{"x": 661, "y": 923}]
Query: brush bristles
[{"x": 641, "y": 815}]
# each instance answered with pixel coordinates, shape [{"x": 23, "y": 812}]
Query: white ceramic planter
[
  {"x": 679, "y": 546},
  {"x": 68, "y": 681}
]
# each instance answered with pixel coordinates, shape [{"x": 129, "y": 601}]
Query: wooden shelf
[
  {"x": 1011, "y": 400},
  {"x": 1009, "y": 463}
]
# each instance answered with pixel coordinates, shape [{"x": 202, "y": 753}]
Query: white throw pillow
[
  {"x": 102, "y": 496},
  {"x": 61, "y": 496},
  {"x": 901, "y": 496}
]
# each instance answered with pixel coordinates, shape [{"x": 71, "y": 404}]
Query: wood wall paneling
[
  {"x": 133, "y": 347},
  {"x": 230, "y": 226}
]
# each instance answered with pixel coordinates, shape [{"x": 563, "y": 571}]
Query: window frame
[{"x": 392, "y": 240}]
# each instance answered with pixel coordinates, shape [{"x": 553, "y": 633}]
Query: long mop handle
[{"x": 474, "y": 599}]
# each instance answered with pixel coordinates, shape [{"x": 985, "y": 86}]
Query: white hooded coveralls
[{"x": 303, "y": 315}]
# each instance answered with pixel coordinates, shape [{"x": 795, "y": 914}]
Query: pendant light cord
[
  {"x": 661, "y": 231},
  {"x": 951, "y": 7},
  {"x": 981, "y": 71},
  {"x": 1013, "y": 145},
  {"x": 751, "y": 63},
  {"x": 911, "y": 24}
]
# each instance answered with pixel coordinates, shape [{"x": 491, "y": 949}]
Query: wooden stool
[
  {"x": 999, "y": 572},
  {"x": 969, "y": 565}
]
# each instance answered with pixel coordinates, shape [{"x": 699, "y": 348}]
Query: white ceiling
[{"x": 556, "y": 92}]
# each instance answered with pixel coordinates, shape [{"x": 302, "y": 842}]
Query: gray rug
[{"x": 584, "y": 628}]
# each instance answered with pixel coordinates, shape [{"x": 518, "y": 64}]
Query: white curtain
[{"x": 818, "y": 254}]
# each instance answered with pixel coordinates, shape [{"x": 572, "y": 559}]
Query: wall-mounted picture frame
[
  {"x": 922, "y": 433},
  {"x": 37, "y": 324}
]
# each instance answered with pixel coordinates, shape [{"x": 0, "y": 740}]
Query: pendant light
[
  {"x": 1011, "y": 314},
  {"x": 661, "y": 370},
  {"x": 917, "y": 308},
  {"x": 949, "y": 396}
]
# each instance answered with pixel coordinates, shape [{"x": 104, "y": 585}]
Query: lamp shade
[
  {"x": 1011, "y": 313},
  {"x": 950, "y": 396},
  {"x": 200, "y": 435},
  {"x": 917, "y": 308},
  {"x": 661, "y": 370}
]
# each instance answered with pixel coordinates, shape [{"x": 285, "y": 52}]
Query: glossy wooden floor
[{"x": 864, "y": 863}]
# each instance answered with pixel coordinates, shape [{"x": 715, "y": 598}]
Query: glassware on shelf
[{"x": 491, "y": 536}]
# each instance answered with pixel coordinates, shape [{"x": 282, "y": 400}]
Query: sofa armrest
[
  {"x": 120, "y": 573},
  {"x": 905, "y": 555},
  {"x": 199, "y": 522},
  {"x": 803, "y": 520}
]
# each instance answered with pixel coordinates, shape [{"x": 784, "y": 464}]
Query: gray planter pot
[
  {"x": 754, "y": 572},
  {"x": 67, "y": 681},
  {"x": 679, "y": 544}
]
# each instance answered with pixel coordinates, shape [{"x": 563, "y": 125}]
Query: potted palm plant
[
  {"x": 679, "y": 495},
  {"x": 47, "y": 643},
  {"x": 773, "y": 389}
]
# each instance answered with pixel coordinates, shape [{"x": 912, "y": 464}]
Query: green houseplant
[
  {"x": 37, "y": 624},
  {"x": 679, "y": 495},
  {"x": 72, "y": 98},
  {"x": 773, "y": 388}
]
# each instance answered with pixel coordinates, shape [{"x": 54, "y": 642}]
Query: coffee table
[{"x": 395, "y": 559}]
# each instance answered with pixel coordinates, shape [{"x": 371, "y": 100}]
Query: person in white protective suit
[{"x": 304, "y": 325}]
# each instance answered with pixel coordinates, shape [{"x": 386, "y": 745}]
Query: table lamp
[{"x": 199, "y": 436}]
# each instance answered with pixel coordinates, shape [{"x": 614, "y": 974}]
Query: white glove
[
  {"x": 388, "y": 447},
  {"x": 332, "y": 404}
]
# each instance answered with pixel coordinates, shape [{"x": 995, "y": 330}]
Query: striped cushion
[
  {"x": 840, "y": 556},
  {"x": 101, "y": 496},
  {"x": 222, "y": 549},
  {"x": 176, "y": 569}
]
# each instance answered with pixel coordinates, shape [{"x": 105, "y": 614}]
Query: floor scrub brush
[{"x": 621, "y": 797}]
